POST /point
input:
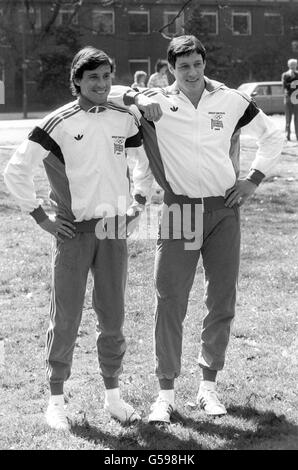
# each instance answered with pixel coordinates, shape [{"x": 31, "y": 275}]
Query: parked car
[{"x": 267, "y": 95}]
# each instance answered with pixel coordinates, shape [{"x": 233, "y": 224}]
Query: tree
[
  {"x": 55, "y": 59},
  {"x": 264, "y": 60},
  {"x": 39, "y": 52},
  {"x": 218, "y": 56}
]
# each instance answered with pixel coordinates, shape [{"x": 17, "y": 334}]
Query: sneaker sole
[
  {"x": 158, "y": 421},
  {"x": 123, "y": 421},
  {"x": 221, "y": 413},
  {"x": 167, "y": 421},
  {"x": 58, "y": 428}
]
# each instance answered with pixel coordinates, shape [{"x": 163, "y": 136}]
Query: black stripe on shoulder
[
  {"x": 41, "y": 137},
  {"x": 62, "y": 118},
  {"x": 134, "y": 141},
  {"x": 249, "y": 114},
  {"x": 52, "y": 123},
  {"x": 58, "y": 113},
  {"x": 240, "y": 93}
]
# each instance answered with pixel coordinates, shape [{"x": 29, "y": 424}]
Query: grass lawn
[{"x": 258, "y": 384}]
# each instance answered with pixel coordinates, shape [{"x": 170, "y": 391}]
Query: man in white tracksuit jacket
[
  {"x": 82, "y": 146},
  {"x": 193, "y": 153}
]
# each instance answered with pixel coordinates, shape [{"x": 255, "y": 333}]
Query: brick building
[{"x": 129, "y": 31}]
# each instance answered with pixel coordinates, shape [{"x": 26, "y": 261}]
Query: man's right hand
[
  {"x": 60, "y": 228},
  {"x": 152, "y": 111}
]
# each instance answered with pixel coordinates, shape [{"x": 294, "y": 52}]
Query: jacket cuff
[
  {"x": 129, "y": 97},
  {"x": 39, "y": 215},
  {"x": 140, "y": 199},
  {"x": 255, "y": 176}
]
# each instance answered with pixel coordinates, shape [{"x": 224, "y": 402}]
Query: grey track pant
[
  {"x": 175, "y": 269},
  {"x": 72, "y": 260}
]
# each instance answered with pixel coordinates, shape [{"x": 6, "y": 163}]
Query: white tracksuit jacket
[
  {"x": 84, "y": 155},
  {"x": 195, "y": 151}
]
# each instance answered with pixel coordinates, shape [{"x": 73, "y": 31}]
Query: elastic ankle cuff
[{"x": 111, "y": 382}]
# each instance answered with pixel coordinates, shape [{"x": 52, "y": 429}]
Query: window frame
[
  {"x": 178, "y": 28},
  {"x": 22, "y": 10},
  {"x": 213, "y": 13},
  {"x": 136, "y": 61},
  {"x": 95, "y": 30},
  {"x": 66, "y": 9},
  {"x": 138, "y": 12},
  {"x": 246, "y": 14},
  {"x": 282, "y": 29}
]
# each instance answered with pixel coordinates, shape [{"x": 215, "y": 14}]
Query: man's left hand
[{"x": 239, "y": 193}]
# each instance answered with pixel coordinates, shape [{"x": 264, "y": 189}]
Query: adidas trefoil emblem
[
  {"x": 79, "y": 137},
  {"x": 174, "y": 108}
]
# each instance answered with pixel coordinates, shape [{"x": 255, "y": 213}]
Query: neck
[
  {"x": 87, "y": 104},
  {"x": 195, "y": 97}
]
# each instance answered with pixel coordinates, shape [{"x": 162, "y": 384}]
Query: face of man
[
  {"x": 189, "y": 73},
  {"x": 95, "y": 85}
]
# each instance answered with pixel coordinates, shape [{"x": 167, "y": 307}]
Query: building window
[
  {"x": 241, "y": 23},
  {"x": 31, "y": 17},
  {"x": 176, "y": 26},
  {"x": 138, "y": 22},
  {"x": 66, "y": 16},
  {"x": 103, "y": 21},
  {"x": 210, "y": 21},
  {"x": 139, "y": 64},
  {"x": 273, "y": 24}
]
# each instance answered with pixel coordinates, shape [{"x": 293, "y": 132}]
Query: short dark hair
[
  {"x": 160, "y": 63},
  {"x": 88, "y": 58},
  {"x": 184, "y": 45}
]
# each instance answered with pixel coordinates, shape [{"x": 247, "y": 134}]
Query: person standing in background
[
  {"x": 159, "y": 79},
  {"x": 139, "y": 79},
  {"x": 290, "y": 85}
]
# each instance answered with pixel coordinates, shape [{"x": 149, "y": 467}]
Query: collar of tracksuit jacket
[{"x": 210, "y": 86}]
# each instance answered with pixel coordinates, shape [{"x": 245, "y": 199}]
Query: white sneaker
[
  {"x": 209, "y": 402},
  {"x": 56, "y": 417},
  {"x": 161, "y": 411},
  {"x": 122, "y": 411}
]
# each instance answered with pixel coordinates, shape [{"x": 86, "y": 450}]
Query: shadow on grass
[
  {"x": 252, "y": 427},
  {"x": 139, "y": 436}
]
